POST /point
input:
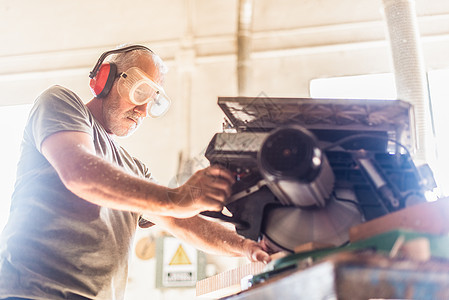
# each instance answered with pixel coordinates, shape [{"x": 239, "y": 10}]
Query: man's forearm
[
  {"x": 94, "y": 179},
  {"x": 107, "y": 185},
  {"x": 211, "y": 237}
]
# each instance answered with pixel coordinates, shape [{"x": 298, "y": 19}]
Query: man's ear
[{"x": 102, "y": 83}]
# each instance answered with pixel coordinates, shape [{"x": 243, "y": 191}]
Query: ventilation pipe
[
  {"x": 244, "y": 46},
  {"x": 409, "y": 70}
]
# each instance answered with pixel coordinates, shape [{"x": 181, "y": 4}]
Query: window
[
  {"x": 375, "y": 86},
  {"x": 439, "y": 94},
  {"x": 382, "y": 86},
  {"x": 12, "y": 122}
]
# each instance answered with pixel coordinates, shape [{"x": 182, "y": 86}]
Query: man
[{"x": 79, "y": 196}]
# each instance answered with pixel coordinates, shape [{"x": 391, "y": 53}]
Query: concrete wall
[{"x": 57, "y": 42}]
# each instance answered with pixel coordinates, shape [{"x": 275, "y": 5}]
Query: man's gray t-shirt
[{"x": 55, "y": 244}]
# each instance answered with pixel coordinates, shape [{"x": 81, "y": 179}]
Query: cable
[{"x": 358, "y": 136}]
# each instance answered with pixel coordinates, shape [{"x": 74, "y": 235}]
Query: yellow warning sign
[{"x": 180, "y": 257}]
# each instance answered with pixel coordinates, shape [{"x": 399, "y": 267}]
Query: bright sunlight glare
[
  {"x": 12, "y": 122},
  {"x": 381, "y": 86}
]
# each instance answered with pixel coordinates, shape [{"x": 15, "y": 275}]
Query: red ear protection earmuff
[
  {"x": 101, "y": 84},
  {"x": 102, "y": 76}
]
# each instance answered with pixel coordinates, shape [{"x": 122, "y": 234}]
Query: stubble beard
[{"x": 117, "y": 121}]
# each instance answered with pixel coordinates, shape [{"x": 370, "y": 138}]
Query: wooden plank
[
  {"x": 227, "y": 282},
  {"x": 311, "y": 246},
  {"x": 429, "y": 217}
]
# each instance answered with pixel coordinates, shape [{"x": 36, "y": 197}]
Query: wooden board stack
[{"x": 429, "y": 217}]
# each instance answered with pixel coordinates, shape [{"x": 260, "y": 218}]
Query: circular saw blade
[{"x": 289, "y": 227}]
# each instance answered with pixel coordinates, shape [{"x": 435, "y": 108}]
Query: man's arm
[
  {"x": 212, "y": 237},
  {"x": 92, "y": 178}
]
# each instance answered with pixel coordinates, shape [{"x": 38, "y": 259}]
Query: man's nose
[{"x": 142, "y": 109}]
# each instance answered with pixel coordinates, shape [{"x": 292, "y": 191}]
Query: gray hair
[{"x": 126, "y": 60}]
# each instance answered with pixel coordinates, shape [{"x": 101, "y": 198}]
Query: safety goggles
[{"x": 140, "y": 89}]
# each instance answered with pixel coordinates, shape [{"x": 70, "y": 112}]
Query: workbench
[
  {"x": 354, "y": 275},
  {"x": 403, "y": 255}
]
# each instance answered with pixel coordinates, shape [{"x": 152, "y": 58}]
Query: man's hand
[
  {"x": 256, "y": 251},
  {"x": 207, "y": 189}
]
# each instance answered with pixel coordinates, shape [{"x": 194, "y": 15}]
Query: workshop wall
[{"x": 52, "y": 42}]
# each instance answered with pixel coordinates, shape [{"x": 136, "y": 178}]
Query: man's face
[{"x": 121, "y": 117}]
